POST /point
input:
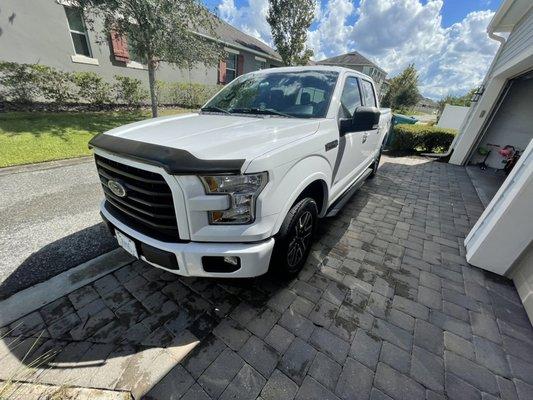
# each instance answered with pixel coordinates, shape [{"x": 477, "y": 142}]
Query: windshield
[{"x": 290, "y": 94}]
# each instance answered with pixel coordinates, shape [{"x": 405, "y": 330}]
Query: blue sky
[{"x": 445, "y": 39}]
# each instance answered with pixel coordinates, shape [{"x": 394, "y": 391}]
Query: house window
[
  {"x": 231, "y": 67},
  {"x": 134, "y": 54},
  {"x": 78, "y": 31},
  {"x": 261, "y": 65}
]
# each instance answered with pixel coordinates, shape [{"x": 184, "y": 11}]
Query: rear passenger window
[
  {"x": 368, "y": 94},
  {"x": 350, "y": 98}
]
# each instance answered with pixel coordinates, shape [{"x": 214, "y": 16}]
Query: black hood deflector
[{"x": 173, "y": 161}]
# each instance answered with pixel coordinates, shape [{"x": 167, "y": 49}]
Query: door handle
[
  {"x": 331, "y": 145},
  {"x": 365, "y": 137}
]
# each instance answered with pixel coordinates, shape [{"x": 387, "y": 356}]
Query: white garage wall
[{"x": 523, "y": 279}]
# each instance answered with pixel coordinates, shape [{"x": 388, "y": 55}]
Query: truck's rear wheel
[{"x": 295, "y": 238}]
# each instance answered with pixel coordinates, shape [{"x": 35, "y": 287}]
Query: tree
[
  {"x": 464, "y": 100},
  {"x": 403, "y": 90},
  {"x": 159, "y": 31},
  {"x": 289, "y": 21}
]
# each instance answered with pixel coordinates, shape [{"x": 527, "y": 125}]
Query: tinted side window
[
  {"x": 368, "y": 94},
  {"x": 350, "y": 98}
]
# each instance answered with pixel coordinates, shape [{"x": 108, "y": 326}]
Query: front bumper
[{"x": 254, "y": 257}]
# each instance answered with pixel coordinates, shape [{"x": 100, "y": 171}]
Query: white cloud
[
  {"x": 250, "y": 18},
  {"x": 332, "y": 31},
  {"x": 394, "y": 33}
]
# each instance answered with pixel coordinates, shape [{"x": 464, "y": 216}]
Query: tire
[
  {"x": 292, "y": 243},
  {"x": 375, "y": 164}
]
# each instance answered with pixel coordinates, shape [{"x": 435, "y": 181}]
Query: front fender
[{"x": 296, "y": 179}]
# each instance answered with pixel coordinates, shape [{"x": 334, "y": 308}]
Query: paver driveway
[{"x": 386, "y": 307}]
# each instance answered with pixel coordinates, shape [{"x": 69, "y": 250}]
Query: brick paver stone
[
  {"x": 395, "y": 357},
  {"x": 459, "y": 389},
  {"x": 312, "y": 390},
  {"x": 279, "y": 387},
  {"x": 325, "y": 370},
  {"x": 279, "y": 338},
  {"x": 366, "y": 349},
  {"x": 330, "y": 344},
  {"x": 259, "y": 355},
  {"x": 297, "y": 360},
  {"x": 355, "y": 381},
  {"x": 471, "y": 372},
  {"x": 222, "y": 371},
  {"x": 247, "y": 384}
]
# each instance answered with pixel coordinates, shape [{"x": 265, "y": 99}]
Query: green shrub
[
  {"x": 28, "y": 84},
  {"x": 163, "y": 91},
  {"x": 19, "y": 83},
  {"x": 426, "y": 138},
  {"x": 55, "y": 86},
  {"x": 92, "y": 88},
  {"x": 190, "y": 95},
  {"x": 130, "y": 91}
]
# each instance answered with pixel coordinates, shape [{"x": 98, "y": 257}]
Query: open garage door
[{"x": 509, "y": 131}]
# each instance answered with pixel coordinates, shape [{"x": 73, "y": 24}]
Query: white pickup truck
[{"x": 238, "y": 188}]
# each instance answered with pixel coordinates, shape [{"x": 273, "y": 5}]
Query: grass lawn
[{"x": 30, "y": 137}]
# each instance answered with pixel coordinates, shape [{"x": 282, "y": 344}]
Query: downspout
[{"x": 500, "y": 39}]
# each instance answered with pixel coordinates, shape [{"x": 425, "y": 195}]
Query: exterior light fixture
[{"x": 477, "y": 94}]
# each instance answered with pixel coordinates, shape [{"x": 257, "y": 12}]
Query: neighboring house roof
[
  {"x": 352, "y": 58},
  {"x": 230, "y": 36}
]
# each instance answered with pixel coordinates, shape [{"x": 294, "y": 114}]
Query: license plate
[{"x": 126, "y": 243}]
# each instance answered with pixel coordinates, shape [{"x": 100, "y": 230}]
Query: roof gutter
[
  {"x": 495, "y": 21},
  {"x": 239, "y": 47}
]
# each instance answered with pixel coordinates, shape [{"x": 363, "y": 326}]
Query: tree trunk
[{"x": 152, "y": 64}]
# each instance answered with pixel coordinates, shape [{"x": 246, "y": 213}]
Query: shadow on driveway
[{"x": 59, "y": 256}]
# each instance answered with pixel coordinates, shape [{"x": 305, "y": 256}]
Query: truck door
[
  {"x": 370, "y": 145},
  {"x": 349, "y": 161}
]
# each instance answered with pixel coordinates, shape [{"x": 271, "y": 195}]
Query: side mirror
[{"x": 364, "y": 119}]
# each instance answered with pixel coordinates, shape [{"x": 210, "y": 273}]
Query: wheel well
[{"x": 317, "y": 190}]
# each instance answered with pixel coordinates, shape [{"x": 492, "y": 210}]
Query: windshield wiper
[
  {"x": 215, "y": 108},
  {"x": 267, "y": 111}
]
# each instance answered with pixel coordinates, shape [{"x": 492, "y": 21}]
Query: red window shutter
[
  {"x": 240, "y": 64},
  {"x": 222, "y": 72},
  {"x": 120, "y": 47}
]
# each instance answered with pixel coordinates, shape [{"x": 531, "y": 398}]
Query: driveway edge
[
  {"x": 35, "y": 297},
  {"x": 16, "y": 169}
]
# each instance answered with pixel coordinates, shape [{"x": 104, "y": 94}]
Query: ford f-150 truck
[{"x": 239, "y": 187}]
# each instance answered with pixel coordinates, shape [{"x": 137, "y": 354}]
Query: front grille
[{"x": 148, "y": 206}]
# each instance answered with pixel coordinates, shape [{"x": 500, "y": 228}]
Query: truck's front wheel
[{"x": 294, "y": 239}]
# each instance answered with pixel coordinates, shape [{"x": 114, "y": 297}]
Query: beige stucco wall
[{"x": 36, "y": 32}]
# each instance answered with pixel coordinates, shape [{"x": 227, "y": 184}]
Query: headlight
[{"x": 243, "y": 191}]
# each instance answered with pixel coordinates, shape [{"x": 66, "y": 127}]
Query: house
[
  {"x": 500, "y": 116},
  {"x": 358, "y": 62},
  {"x": 54, "y": 33},
  {"x": 426, "y": 106}
]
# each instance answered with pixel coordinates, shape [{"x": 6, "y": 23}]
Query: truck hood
[{"x": 218, "y": 137}]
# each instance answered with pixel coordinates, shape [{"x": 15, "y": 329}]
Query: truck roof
[{"x": 313, "y": 68}]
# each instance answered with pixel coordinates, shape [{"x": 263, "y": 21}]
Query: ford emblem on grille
[{"x": 117, "y": 188}]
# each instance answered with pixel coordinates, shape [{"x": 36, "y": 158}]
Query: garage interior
[{"x": 509, "y": 130}]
